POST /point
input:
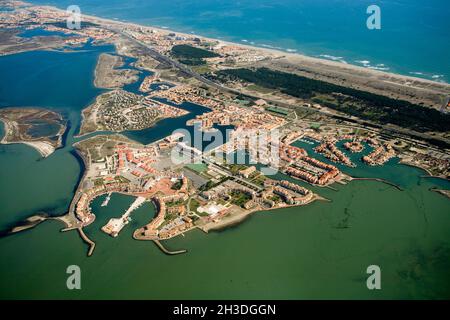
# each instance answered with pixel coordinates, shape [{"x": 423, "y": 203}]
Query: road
[
  {"x": 398, "y": 133},
  {"x": 167, "y": 60},
  {"x": 164, "y": 59},
  {"x": 224, "y": 171}
]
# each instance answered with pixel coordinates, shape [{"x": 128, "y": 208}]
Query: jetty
[
  {"x": 88, "y": 241},
  {"x": 163, "y": 249},
  {"x": 115, "y": 225},
  {"x": 380, "y": 180},
  {"x": 29, "y": 223}
]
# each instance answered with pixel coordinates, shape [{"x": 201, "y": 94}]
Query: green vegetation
[
  {"x": 109, "y": 146},
  {"x": 221, "y": 201},
  {"x": 98, "y": 182},
  {"x": 174, "y": 203},
  {"x": 353, "y": 102},
  {"x": 177, "y": 185},
  {"x": 121, "y": 179},
  {"x": 235, "y": 168},
  {"x": 203, "y": 214},
  {"x": 239, "y": 198},
  {"x": 201, "y": 68},
  {"x": 278, "y": 110},
  {"x": 193, "y": 205},
  {"x": 197, "y": 167},
  {"x": 210, "y": 184},
  {"x": 254, "y": 87},
  {"x": 193, "y": 217},
  {"x": 193, "y": 62},
  {"x": 315, "y": 126},
  {"x": 191, "y": 56},
  {"x": 275, "y": 198},
  {"x": 170, "y": 217},
  {"x": 259, "y": 180}
]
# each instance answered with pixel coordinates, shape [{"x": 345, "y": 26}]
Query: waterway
[
  {"x": 39, "y": 32},
  {"x": 321, "y": 250},
  {"x": 333, "y": 30}
]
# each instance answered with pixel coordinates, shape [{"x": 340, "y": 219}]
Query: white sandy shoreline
[
  {"x": 44, "y": 148},
  {"x": 293, "y": 55}
]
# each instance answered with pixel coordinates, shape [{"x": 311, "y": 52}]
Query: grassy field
[{"x": 191, "y": 55}]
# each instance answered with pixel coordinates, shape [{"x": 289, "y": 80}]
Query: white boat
[{"x": 106, "y": 201}]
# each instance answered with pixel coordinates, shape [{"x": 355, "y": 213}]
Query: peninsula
[
  {"x": 107, "y": 74},
  {"x": 120, "y": 110},
  {"x": 39, "y": 128}
]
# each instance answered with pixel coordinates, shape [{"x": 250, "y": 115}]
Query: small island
[{"x": 39, "y": 128}]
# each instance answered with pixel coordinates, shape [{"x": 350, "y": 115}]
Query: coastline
[
  {"x": 407, "y": 162},
  {"x": 445, "y": 193},
  {"x": 86, "y": 121},
  {"x": 298, "y": 56},
  {"x": 69, "y": 220},
  {"x": 37, "y": 219},
  {"x": 44, "y": 148},
  {"x": 110, "y": 73},
  {"x": 239, "y": 218},
  {"x": 70, "y": 215}
]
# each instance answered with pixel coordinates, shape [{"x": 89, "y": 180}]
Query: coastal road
[
  {"x": 389, "y": 130},
  {"x": 167, "y": 60},
  {"x": 164, "y": 59}
]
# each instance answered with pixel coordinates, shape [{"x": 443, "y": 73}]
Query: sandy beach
[
  {"x": 44, "y": 148},
  {"x": 290, "y": 55},
  {"x": 237, "y": 218},
  {"x": 396, "y": 86}
]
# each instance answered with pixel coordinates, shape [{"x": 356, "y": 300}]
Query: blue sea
[{"x": 413, "y": 39}]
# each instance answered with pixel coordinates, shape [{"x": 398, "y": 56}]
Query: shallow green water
[{"x": 318, "y": 251}]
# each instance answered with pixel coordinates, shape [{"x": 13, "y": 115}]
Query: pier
[
  {"x": 163, "y": 249},
  {"x": 88, "y": 241},
  {"x": 115, "y": 225},
  {"x": 380, "y": 180}
]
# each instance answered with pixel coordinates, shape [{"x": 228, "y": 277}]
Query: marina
[
  {"x": 339, "y": 200},
  {"x": 114, "y": 226}
]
